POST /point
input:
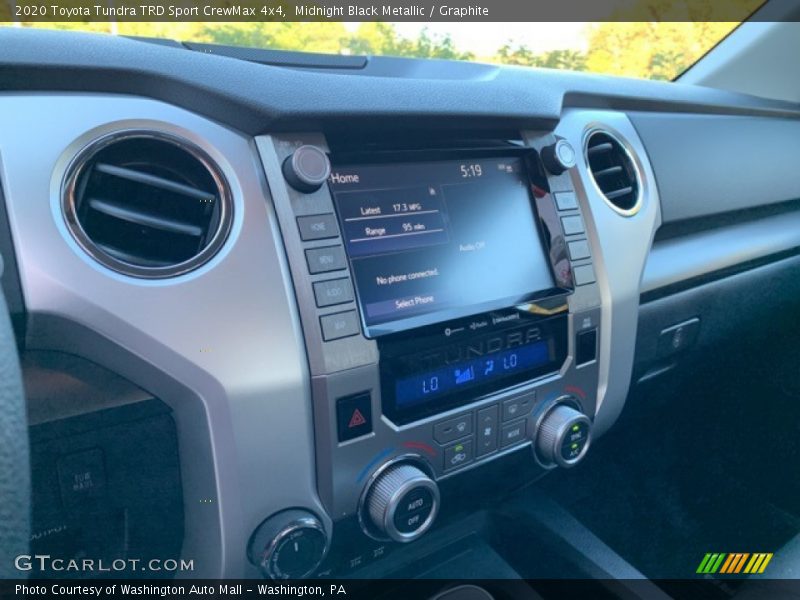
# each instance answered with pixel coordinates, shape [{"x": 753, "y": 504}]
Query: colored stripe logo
[{"x": 734, "y": 563}]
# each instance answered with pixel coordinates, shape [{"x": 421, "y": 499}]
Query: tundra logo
[{"x": 476, "y": 348}]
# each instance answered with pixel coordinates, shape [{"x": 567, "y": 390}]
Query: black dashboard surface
[{"x": 256, "y": 98}]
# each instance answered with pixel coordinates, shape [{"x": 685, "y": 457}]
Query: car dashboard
[{"x": 282, "y": 314}]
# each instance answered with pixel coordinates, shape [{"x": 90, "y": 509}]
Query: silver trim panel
[
  {"x": 620, "y": 246},
  {"x": 224, "y": 347}
]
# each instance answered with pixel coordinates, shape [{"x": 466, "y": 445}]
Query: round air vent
[
  {"x": 147, "y": 204},
  {"x": 614, "y": 172}
]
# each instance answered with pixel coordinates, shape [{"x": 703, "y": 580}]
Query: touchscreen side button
[
  {"x": 317, "y": 227},
  {"x": 339, "y": 325},
  {"x": 572, "y": 225},
  {"x": 333, "y": 291},
  {"x": 579, "y": 249},
  {"x": 566, "y": 200},
  {"x": 329, "y": 258}
]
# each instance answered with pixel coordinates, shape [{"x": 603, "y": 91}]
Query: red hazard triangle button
[
  {"x": 357, "y": 419},
  {"x": 354, "y": 416}
]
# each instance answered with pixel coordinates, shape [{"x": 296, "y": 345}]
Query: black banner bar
[
  {"x": 391, "y": 589},
  {"x": 189, "y": 11}
]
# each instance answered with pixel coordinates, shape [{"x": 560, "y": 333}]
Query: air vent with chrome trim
[
  {"x": 147, "y": 204},
  {"x": 614, "y": 172}
]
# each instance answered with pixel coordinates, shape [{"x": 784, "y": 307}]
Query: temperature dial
[
  {"x": 289, "y": 545},
  {"x": 401, "y": 503},
  {"x": 563, "y": 436}
]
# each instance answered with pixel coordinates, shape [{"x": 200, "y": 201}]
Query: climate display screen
[
  {"x": 437, "y": 367},
  {"x": 438, "y": 240},
  {"x": 424, "y": 387}
]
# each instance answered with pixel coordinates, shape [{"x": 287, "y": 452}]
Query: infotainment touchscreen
[{"x": 431, "y": 241}]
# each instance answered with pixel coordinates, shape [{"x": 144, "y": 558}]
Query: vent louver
[
  {"x": 147, "y": 204},
  {"x": 613, "y": 171}
]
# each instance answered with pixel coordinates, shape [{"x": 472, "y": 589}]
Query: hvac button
[
  {"x": 517, "y": 407},
  {"x": 574, "y": 442},
  {"x": 512, "y": 433},
  {"x": 354, "y": 416},
  {"x": 487, "y": 430},
  {"x": 452, "y": 429},
  {"x": 413, "y": 510},
  {"x": 457, "y": 455}
]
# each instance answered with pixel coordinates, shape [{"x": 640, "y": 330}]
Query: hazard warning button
[{"x": 354, "y": 416}]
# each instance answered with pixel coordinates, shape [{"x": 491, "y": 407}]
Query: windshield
[{"x": 654, "y": 50}]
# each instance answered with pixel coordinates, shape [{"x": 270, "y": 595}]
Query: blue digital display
[
  {"x": 422, "y": 387},
  {"x": 439, "y": 240}
]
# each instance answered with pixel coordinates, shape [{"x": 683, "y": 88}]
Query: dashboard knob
[
  {"x": 288, "y": 545},
  {"x": 563, "y": 436},
  {"x": 307, "y": 169},
  {"x": 559, "y": 157},
  {"x": 402, "y": 502}
]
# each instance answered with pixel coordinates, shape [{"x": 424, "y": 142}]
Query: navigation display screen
[{"x": 438, "y": 240}]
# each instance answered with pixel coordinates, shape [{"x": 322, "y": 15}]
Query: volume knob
[
  {"x": 559, "y": 157},
  {"x": 402, "y": 503},
  {"x": 563, "y": 436},
  {"x": 307, "y": 169}
]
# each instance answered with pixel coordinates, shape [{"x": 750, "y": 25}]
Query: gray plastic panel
[
  {"x": 711, "y": 164},
  {"x": 220, "y": 345},
  {"x": 676, "y": 260}
]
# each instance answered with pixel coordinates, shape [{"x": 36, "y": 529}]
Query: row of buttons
[
  {"x": 329, "y": 292},
  {"x": 578, "y": 249},
  {"x": 486, "y": 439}
]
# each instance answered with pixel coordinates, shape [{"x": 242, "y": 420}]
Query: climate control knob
[
  {"x": 288, "y": 545},
  {"x": 563, "y": 436},
  {"x": 401, "y": 503}
]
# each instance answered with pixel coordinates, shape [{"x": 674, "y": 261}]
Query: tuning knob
[
  {"x": 563, "y": 436},
  {"x": 401, "y": 503},
  {"x": 288, "y": 545},
  {"x": 559, "y": 157},
  {"x": 307, "y": 169}
]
